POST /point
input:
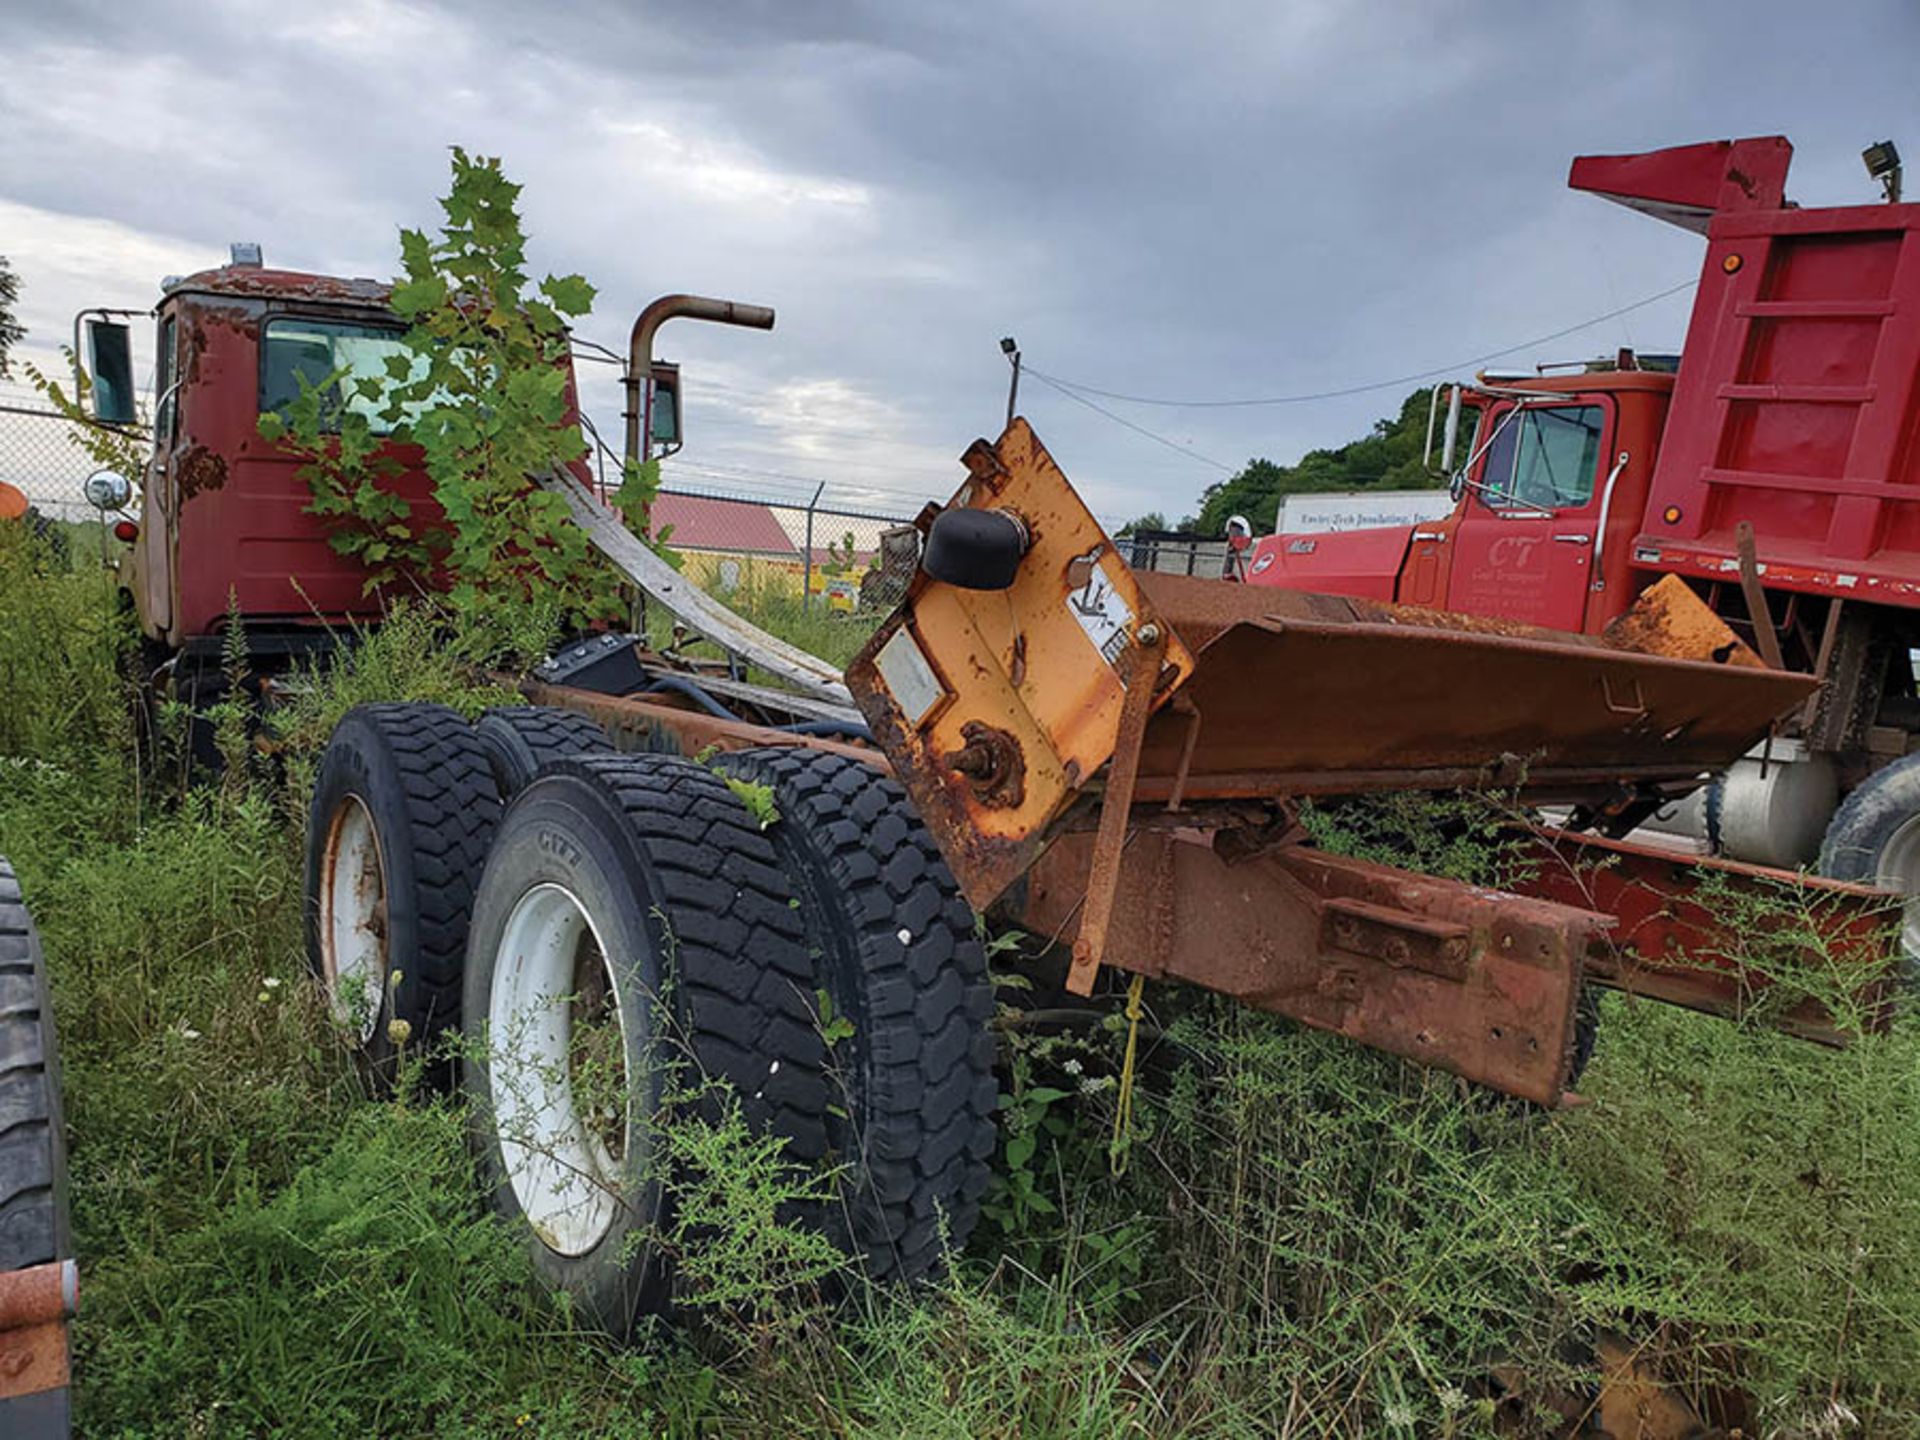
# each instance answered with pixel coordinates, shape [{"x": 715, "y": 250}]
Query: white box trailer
[{"x": 1359, "y": 510}]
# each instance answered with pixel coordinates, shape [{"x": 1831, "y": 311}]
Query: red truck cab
[
  {"x": 1553, "y": 482},
  {"x": 225, "y": 517}
]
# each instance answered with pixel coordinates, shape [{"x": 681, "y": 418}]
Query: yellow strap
[{"x": 1123, "y": 1106}]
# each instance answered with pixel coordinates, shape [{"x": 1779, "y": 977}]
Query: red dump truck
[{"x": 1775, "y": 466}]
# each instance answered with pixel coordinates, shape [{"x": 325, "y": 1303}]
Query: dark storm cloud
[{"x": 1197, "y": 201}]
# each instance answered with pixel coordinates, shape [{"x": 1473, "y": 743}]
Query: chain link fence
[
  {"x": 752, "y": 551},
  {"x": 40, "y": 454}
]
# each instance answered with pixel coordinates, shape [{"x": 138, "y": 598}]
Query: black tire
[
  {"x": 894, "y": 948},
  {"x": 1881, "y": 810},
  {"x": 520, "y": 739},
  {"x": 421, "y": 780},
  {"x": 33, "y": 1138},
  {"x": 34, "y": 1225},
  {"x": 697, "y": 931},
  {"x": 1586, "y": 1033}
]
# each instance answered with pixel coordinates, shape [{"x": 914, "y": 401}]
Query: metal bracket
[
  {"x": 1766, "y": 639},
  {"x": 1142, "y": 672},
  {"x": 1636, "y": 707}
]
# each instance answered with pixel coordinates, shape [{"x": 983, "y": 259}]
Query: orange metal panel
[{"x": 1020, "y": 686}]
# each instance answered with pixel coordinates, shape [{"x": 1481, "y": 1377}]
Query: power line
[
  {"x": 1071, "y": 386},
  {"x": 1121, "y": 420}
]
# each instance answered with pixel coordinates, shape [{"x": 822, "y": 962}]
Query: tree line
[{"x": 1387, "y": 457}]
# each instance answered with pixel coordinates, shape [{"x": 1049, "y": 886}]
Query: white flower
[
  {"x": 1400, "y": 1416},
  {"x": 272, "y": 982},
  {"x": 189, "y": 1033},
  {"x": 1452, "y": 1398},
  {"x": 1072, "y": 1067}
]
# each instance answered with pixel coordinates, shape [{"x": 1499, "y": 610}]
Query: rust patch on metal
[
  {"x": 650, "y": 725},
  {"x": 1364, "y": 928},
  {"x": 197, "y": 469},
  {"x": 983, "y": 463},
  {"x": 1313, "y": 694},
  {"x": 259, "y": 283},
  {"x": 1673, "y": 941},
  {"x": 1110, "y": 840},
  {"x": 34, "y": 1306},
  {"x": 1755, "y": 594},
  {"x": 1670, "y": 619},
  {"x": 993, "y": 764},
  {"x": 1482, "y": 983}
]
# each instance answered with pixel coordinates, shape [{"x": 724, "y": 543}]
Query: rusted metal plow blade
[
  {"x": 1315, "y": 694},
  {"x": 997, "y": 707}
]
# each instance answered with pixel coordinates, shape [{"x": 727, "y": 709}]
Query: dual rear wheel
[{"x": 627, "y": 947}]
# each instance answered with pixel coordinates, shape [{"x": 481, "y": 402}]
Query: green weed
[{"x": 757, "y": 798}]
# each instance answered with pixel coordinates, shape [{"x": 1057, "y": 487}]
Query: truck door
[
  {"x": 159, "y": 510},
  {"x": 1524, "y": 546}
]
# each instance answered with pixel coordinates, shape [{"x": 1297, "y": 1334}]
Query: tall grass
[{"x": 1309, "y": 1239}]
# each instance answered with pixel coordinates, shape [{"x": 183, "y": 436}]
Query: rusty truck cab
[{"x": 225, "y": 521}]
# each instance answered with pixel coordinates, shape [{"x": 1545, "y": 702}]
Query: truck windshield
[
  {"x": 1544, "y": 459},
  {"x": 295, "y": 348}
]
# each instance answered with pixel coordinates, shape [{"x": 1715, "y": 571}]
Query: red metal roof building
[{"x": 731, "y": 527}]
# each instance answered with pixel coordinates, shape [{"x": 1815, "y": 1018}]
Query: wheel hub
[
  {"x": 353, "y": 919},
  {"x": 556, "y": 1051}
]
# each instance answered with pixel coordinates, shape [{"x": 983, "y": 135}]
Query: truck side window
[
  {"x": 1544, "y": 459},
  {"x": 328, "y": 353},
  {"x": 165, "y": 406}
]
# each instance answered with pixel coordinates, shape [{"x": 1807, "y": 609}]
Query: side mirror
[
  {"x": 110, "y": 349},
  {"x": 108, "y": 490},
  {"x": 663, "y": 406},
  {"x": 1452, "y": 435}
]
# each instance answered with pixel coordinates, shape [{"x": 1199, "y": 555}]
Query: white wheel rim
[
  {"x": 1899, "y": 869},
  {"x": 562, "y": 1164},
  {"x": 353, "y": 919}
]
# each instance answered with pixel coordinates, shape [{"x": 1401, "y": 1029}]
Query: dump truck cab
[{"x": 1551, "y": 481}]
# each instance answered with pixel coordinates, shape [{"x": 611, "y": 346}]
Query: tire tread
[
  {"x": 924, "y": 1133},
  {"x": 33, "y": 1218}
]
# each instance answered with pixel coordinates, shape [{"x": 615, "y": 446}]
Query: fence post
[{"x": 806, "y": 575}]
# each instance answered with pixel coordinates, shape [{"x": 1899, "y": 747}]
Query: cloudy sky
[{"x": 1198, "y": 201}]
